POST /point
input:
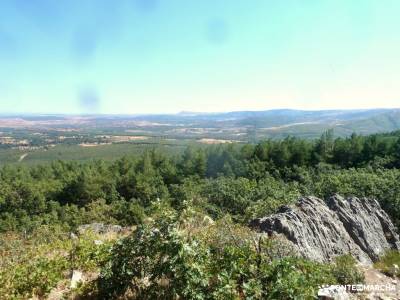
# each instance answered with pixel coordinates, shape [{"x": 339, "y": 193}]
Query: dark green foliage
[
  {"x": 174, "y": 258},
  {"x": 184, "y": 258},
  {"x": 293, "y": 278},
  {"x": 155, "y": 263},
  {"x": 245, "y": 181}
]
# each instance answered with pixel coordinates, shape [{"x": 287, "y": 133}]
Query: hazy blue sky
[{"x": 139, "y": 56}]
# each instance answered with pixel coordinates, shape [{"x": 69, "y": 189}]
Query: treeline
[
  {"x": 354, "y": 151},
  {"x": 245, "y": 181}
]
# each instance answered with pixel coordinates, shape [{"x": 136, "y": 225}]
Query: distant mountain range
[{"x": 237, "y": 125}]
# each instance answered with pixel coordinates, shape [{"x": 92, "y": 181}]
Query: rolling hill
[{"x": 237, "y": 125}]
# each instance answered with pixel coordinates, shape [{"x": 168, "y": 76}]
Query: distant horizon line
[{"x": 188, "y": 112}]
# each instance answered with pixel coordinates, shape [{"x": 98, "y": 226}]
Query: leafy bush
[
  {"x": 169, "y": 258},
  {"x": 34, "y": 266},
  {"x": 155, "y": 262},
  {"x": 35, "y": 277},
  {"x": 294, "y": 278}
]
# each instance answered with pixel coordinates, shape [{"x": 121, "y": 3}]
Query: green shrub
[
  {"x": 295, "y": 278},
  {"x": 32, "y": 266},
  {"x": 168, "y": 258},
  {"x": 156, "y": 262},
  {"x": 38, "y": 277},
  {"x": 28, "y": 274},
  {"x": 87, "y": 256}
]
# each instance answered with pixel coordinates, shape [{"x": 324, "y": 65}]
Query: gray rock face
[
  {"x": 367, "y": 224},
  {"x": 99, "y": 228},
  {"x": 320, "y": 231},
  {"x": 333, "y": 293}
]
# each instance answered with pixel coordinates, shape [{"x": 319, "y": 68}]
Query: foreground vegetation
[
  {"x": 190, "y": 257},
  {"x": 34, "y": 266},
  {"x": 170, "y": 256},
  {"x": 189, "y": 214},
  {"x": 389, "y": 264}
]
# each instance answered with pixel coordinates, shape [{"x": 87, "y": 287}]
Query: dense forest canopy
[{"x": 243, "y": 180}]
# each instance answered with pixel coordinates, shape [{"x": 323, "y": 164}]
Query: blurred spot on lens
[
  {"x": 217, "y": 31},
  {"x": 146, "y": 5},
  {"x": 89, "y": 100},
  {"x": 8, "y": 46},
  {"x": 84, "y": 45}
]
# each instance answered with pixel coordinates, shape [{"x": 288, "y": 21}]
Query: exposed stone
[
  {"x": 395, "y": 270},
  {"x": 322, "y": 231},
  {"x": 367, "y": 224},
  {"x": 99, "y": 228},
  {"x": 333, "y": 293},
  {"x": 77, "y": 277}
]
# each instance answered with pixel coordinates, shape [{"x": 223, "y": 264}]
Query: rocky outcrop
[
  {"x": 321, "y": 230},
  {"x": 100, "y": 228},
  {"x": 333, "y": 292},
  {"x": 367, "y": 224}
]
